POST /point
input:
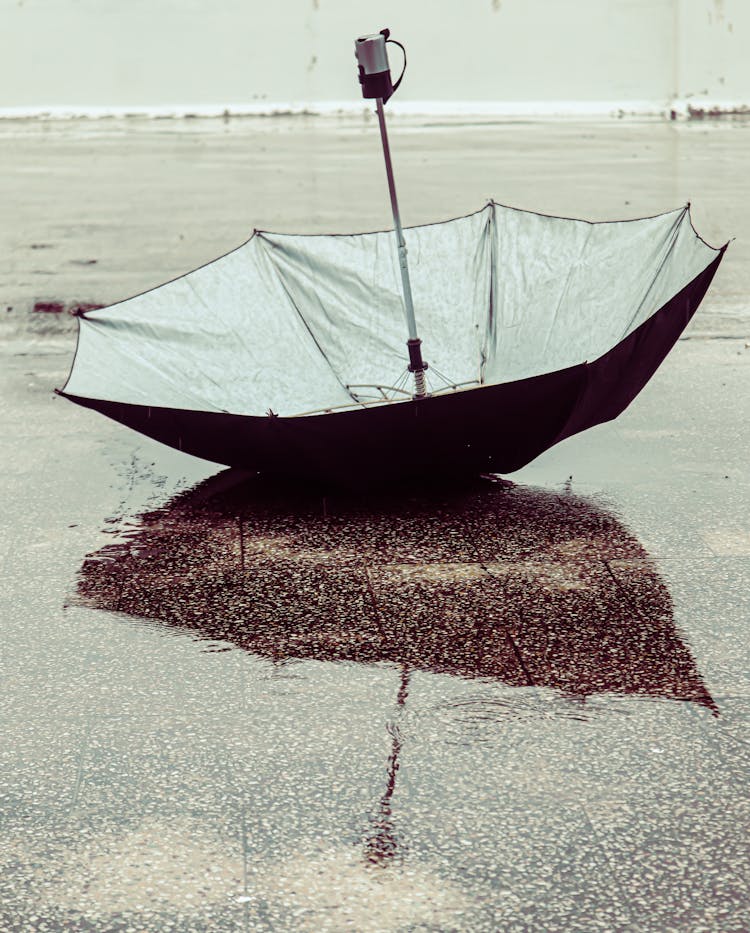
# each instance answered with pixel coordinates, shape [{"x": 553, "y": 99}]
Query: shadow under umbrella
[{"x": 488, "y": 580}]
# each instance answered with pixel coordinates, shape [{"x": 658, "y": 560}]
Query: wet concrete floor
[{"x": 229, "y": 705}]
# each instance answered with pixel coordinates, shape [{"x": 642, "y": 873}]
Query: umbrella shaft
[{"x": 417, "y": 366}]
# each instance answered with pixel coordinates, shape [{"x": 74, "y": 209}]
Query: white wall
[
  {"x": 505, "y": 55},
  {"x": 712, "y": 60}
]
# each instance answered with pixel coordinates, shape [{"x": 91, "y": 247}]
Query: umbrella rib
[
  {"x": 673, "y": 235},
  {"x": 300, "y": 315},
  {"x": 490, "y": 328}
]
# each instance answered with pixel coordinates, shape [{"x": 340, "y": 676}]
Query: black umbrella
[{"x": 287, "y": 354}]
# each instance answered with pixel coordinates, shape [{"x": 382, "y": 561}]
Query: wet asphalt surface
[{"x": 233, "y": 705}]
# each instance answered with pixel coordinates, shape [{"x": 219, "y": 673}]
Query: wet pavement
[{"x": 230, "y": 705}]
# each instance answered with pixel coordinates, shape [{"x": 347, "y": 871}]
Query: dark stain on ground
[
  {"x": 49, "y": 307},
  {"x": 57, "y": 307},
  {"x": 526, "y": 586},
  {"x": 702, "y": 113}
]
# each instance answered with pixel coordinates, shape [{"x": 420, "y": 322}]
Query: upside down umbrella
[{"x": 287, "y": 354}]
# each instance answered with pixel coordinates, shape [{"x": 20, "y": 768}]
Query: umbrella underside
[{"x": 279, "y": 356}]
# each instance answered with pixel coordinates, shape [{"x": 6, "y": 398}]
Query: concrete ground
[{"x": 232, "y": 707}]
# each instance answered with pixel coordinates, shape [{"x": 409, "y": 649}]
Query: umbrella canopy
[
  {"x": 288, "y": 353},
  {"x": 523, "y": 586}
]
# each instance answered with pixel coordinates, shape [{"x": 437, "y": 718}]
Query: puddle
[{"x": 526, "y": 587}]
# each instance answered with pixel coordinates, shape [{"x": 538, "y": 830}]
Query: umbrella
[
  {"x": 523, "y": 586},
  {"x": 287, "y": 355}
]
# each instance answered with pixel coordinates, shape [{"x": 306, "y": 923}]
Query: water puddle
[{"x": 526, "y": 587}]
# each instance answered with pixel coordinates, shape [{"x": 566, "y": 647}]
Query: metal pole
[{"x": 416, "y": 363}]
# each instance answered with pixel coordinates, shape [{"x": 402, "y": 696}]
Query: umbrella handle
[
  {"x": 403, "y": 70},
  {"x": 374, "y": 70}
]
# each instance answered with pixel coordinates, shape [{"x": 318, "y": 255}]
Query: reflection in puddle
[
  {"x": 382, "y": 845},
  {"x": 523, "y": 587}
]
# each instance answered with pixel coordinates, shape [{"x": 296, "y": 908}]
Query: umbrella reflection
[
  {"x": 495, "y": 581},
  {"x": 382, "y": 845},
  {"x": 521, "y": 585}
]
